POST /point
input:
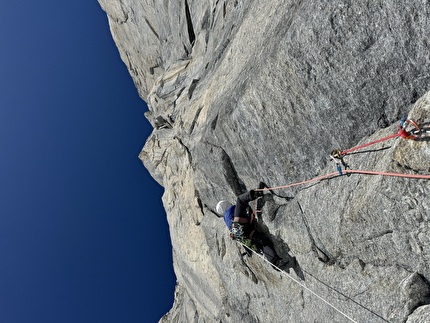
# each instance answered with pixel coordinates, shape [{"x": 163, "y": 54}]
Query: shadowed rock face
[{"x": 243, "y": 91}]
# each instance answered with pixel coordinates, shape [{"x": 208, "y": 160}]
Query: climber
[{"x": 239, "y": 219}]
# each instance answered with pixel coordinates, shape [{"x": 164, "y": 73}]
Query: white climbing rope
[{"x": 301, "y": 284}]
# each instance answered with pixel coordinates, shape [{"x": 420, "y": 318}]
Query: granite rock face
[{"x": 247, "y": 91}]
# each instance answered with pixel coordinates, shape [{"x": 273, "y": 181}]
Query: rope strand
[
  {"x": 302, "y": 285},
  {"x": 319, "y": 178},
  {"x": 333, "y": 175},
  {"x": 344, "y": 295},
  {"x": 347, "y": 151},
  {"x": 346, "y": 171},
  {"x": 368, "y": 172}
]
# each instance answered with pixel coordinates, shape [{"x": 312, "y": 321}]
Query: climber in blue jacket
[{"x": 239, "y": 220}]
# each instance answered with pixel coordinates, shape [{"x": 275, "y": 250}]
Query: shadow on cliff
[{"x": 282, "y": 249}]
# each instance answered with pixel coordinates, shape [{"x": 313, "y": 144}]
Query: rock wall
[{"x": 243, "y": 91}]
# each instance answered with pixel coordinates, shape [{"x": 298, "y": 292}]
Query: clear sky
[{"x": 83, "y": 235}]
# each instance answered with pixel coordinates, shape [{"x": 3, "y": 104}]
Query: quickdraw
[
  {"x": 336, "y": 156},
  {"x": 411, "y": 134},
  {"x": 405, "y": 131}
]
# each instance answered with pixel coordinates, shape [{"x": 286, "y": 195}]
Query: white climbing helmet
[{"x": 222, "y": 206}]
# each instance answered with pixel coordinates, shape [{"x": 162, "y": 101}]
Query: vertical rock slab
[{"x": 249, "y": 91}]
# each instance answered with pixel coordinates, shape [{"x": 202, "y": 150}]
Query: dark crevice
[
  {"x": 177, "y": 96},
  {"x": 213, "y": 211},
  {"x": 193, "y": 124},
  {"x": 231, "y": 175},
  {"x": 205, "y": 21},
  {"x": 186, "y": 50},
  {"x": 190, "y": 158},
  {"x": 272, "y": 208},
  {"x": 214, "y": 122},
  {"x": 192, "y": 88},
  {"x": 199, "y": 201},
  {"x": 414, "y": 96},
  {"x": 380, "y": 234},
  {"x": 383, "y": 121},
  {"x": 191, "y": 34},
  {"x": 229, "y": 171},
  {"x": 361, "y": 263},
  {"x": 322, "y": 255},
  {"x": 152, "y": 29},
  {"x": 213, "y": 14},
  {"x": 420, "y": 288},
  {"x": 249, "y": 273},
  {"x": 152, "y": 69},
  {"x": 121, "y": 22}
]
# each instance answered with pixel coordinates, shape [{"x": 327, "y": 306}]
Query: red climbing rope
[
  {"x": 347, "y": 151},
  {"x": 401, "y": 133},
  {"x": 344, "y": 172},
  {"x": 339, "y": 155},
  {"x": 367, "y": 172},
  {"x": 301, "y": 183}
]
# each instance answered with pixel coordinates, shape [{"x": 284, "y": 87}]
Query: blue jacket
[
  {"x": 229, "y": 215},
  {"x": 239, "y": 210}
]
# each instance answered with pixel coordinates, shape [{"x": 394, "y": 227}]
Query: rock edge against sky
[{"x": 243, "y": 91}]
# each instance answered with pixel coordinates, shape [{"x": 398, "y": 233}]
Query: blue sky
[{"x": 83, "y": 235}]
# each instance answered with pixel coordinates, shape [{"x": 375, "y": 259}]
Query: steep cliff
[{"x": 243, "y": 91}]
